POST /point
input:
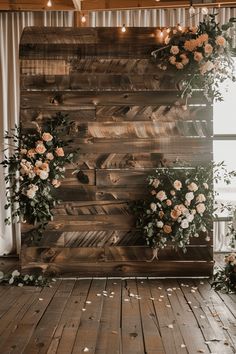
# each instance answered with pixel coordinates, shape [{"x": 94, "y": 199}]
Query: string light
[
  {"x": 83, "y": 19},
  {"x": 161, "y": 34},
  {"x": 123, "y": 29},
  {"x": 179, "y": 27},
  {"x": 49, "y": 3},
  {"x": 191, "y": 10}
]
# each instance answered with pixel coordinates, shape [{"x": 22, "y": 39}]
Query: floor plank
[{"x": 117, "y": 316}]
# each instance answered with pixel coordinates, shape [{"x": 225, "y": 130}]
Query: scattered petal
[
  {"x": 170, "y": 326},
  {"x": 169, "y": 289},
  {"x": 40, "y": 299},
  {"x": 162, "y": 296},
  {"x": 99, "y": 294},
  {"x": 88, "y": 302},
  {"x": 202, "y": 282},
  {"x": 152, "y": 298},
  {"x": 169, "y": 294},
  {"x": 160, "y": 300},
  {"x": 159, "y": 288},
  {"x": 126, "y": 300},
  {"x": 183, "y": 346},
  {"x": 86, "y": 349},
  {"x": 168, "y": 305},
  {"x": 193, "y": 291},
  {"x": 189, "y": 302},
  {"x": 83, "y": 309},
  {"x": 201, "y": 316}
]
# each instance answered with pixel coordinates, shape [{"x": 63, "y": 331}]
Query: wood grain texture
[{"x": 128, "y": 121}]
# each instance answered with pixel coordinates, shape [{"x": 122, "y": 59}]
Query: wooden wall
[{"x": 128, "y": 123}]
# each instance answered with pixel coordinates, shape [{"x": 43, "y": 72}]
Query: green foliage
[
  {"x": 35, "y": 167},
  {"x": 224, "y": 279},
  {"x": 15, "y": 278},
  {"x": 200, "y": 58},
  {"x": 179, "y": 204}
]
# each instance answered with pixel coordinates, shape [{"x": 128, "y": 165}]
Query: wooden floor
[{"x": 110, "y": 316}]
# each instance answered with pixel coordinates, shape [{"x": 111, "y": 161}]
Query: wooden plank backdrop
[{"x": 128, "y": 122}]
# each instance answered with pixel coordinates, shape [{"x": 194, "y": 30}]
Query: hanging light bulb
[
  {"x": 123, "y": 29},
  {"x": 191, "y": 10},
  {"x": 161, "y": 34},
  {"x": 49, "y": 3},
  {"x": 168, "y": 30},
  {"x": 83, "y": 19},
  {"x": 179, "y": 27},
  {"x": 204, "y": 10}
]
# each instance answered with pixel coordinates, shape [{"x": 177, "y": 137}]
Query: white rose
[
  {"x": 15, "y": 273},
  {"x": 153, "y": 206},
  {"x": 160, "y": 224},
  {"x": 200, "y": 208},
  {"x": 30, "y": 193},
  {"x": 177, "y": 184},
  {"x": 184, "y": 224},
  {"x": 190, "y": 217},
  {"x": 189, "y": 196},
  {"x": 161, "y": 195},
  {"x": 201, "y": 198},
  {"x": 38, "y": 163},
  {"x": 43, "y": 174}
]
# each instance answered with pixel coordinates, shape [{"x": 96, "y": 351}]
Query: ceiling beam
[
  {"x": 92, "y": 5},
  {"x": 99, "y": 5}
]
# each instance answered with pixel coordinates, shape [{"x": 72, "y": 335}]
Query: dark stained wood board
[
  {"x": 117, "y": 315},
  {"x": 129, "y": 121}
]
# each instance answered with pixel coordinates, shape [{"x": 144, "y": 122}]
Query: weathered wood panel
[
  {"x": 69, "y": 99},
  {"x": 129, "y": 121}
]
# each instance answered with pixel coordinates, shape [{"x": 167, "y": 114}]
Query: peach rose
[
  {"x": 208, "y": 49},
  {"x": 203, "y": 38},
  {"x": 205, "y": 185},
  {"x": 31, "y": 153},
  {"x": 192, "y": 187},
  {"x": 177, "y": 185},
  {"x": 172, "y": 60},
  {"x": 23, "y": 151},
  {"x": 45, "y": 167},
  {"x": 161, "y": 195},
  {"x": 175, "y": 214},
  {"x": 167, "y": 229},
  {"x": 174, "y": 49},
  {"x": 190, "y": 45},
  {"x": 161, "y": 214},
  {"x": 56, "y": 183},
  {"x": 168, "y": 202},
  {"x": 200, "y": 198},
  {"x": 181, "y": 207},
  {"x": 200, "y": 208},
  {"x": 179, "y": 65},
  {"x": 198, "y": 56},
  {"x": 47, "y": 137},
  {"x": 172, "y": 192},
  {"x": 59, "y": 151},
  {"x": 220, "y": 41},
  {"x": 40, "y": 149}
]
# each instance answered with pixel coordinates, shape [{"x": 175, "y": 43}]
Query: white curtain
[
  {"x": 11, "y": 27},
  {"x": 154, "y": 17}
]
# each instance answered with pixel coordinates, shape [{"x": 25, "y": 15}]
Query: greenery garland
[
  {"x": 16, "y": 278},
  {"x": 179, "y": 204},
  {"x": 199, "y": 56},
  {"x": 224, "y": 279},
  {"x": 35, "y": 169}
]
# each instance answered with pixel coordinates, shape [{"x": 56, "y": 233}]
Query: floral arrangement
[
  {"x": 201, "y": 57},
  {"x": 225, "y": 279},
  {"x": 35, "y": 169},
  {"x": 180, "y": 205},
  {"x": 16, "y": 278}
]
